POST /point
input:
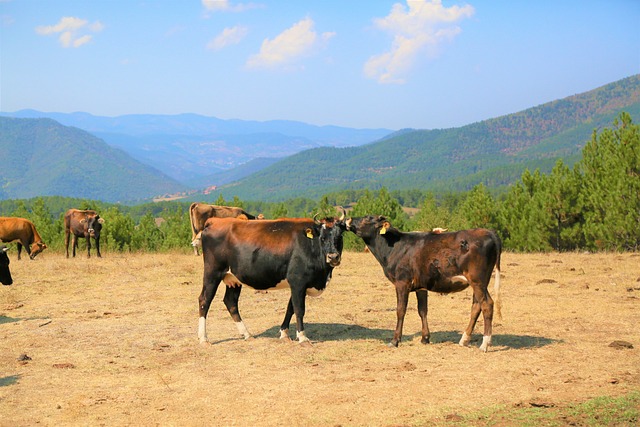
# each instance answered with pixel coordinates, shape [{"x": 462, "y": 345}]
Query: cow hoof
[
  {"x": 425, "y": 341},
  {"x": 284, "y": 335},
  {"x": 486, "y": 342},
  {"x": 204, "y": 342},
  {"x": 392, "y": 345},
  {"x": 464, "y": 341}
]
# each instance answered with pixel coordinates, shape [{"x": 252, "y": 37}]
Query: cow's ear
[
  {"x": 83, "y": 220},
  {"x": 101, "y": 220},
  {"x": 384, "y": 228},
  {"x": 309, "y": 233}
]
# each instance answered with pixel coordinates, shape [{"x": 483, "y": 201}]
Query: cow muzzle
[{"x": 333, "y": 259}]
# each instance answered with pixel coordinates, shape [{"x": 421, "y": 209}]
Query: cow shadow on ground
[
  {"x": 5, "y": 319},
  {"x": 344, "y": 332},
  {"x": 10, "y": 380}
]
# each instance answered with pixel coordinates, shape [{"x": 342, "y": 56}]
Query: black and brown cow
[
  {"x": 438, "y": 262},
  {"x": 5, "y": 273},
  {"x": 24, "y": 233},
  {"x": 82, "y": 223},
  {"x": 298, "y": 254},
  {"x": 199, "y": 213}
]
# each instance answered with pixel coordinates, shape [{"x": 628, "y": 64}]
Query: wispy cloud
[
  {"x": 419, "y": 30},
  {"x": 229, "y": 36},
  {"x": 227, "y": 6},
  {"x": 71, "y": 31},
  {"x": 293, "y": 43}
]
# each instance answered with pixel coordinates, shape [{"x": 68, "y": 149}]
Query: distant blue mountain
[{"x": 188, "y": 147}]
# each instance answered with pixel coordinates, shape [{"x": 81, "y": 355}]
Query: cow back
[
  {"x": 18, "y": 229},
  {"x": 263, "y": 253}
]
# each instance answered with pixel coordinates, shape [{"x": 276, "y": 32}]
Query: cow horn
[
  {"x": 344, "y": 213},
  {"x": 315, "y": 218},
  {"x": 4, "y": 249}
]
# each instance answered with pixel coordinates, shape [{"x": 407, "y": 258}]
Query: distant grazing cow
[
  {"x": 199, "y": 213},
  {"x": 85, "y": 224},
  {"x": 5, "y": 274},
  {"x": 22, "y": 231},
  {"x": 299, "y": 254},
  {"x": 438, "y": 262}
]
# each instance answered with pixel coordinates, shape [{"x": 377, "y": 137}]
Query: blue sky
[{"x": 355, "y": 63}]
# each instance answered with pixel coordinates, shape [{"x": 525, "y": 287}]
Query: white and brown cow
[{"x": 82, "y": 223}]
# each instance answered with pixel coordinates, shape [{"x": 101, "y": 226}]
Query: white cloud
[
  {"x": 419, "y": 30},
  {"x": 72, "y": 31},
  {"x": 293, "y": 43},
  {"x": 229, "y": 36},
  {"x": 227, "y": 6}
]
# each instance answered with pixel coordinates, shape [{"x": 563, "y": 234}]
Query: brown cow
[
  {"x": 85, "y": 224},
  {"x": 199, "y": 213},
  {"x": 295, "y": 253},
  {"x": 22, "y": 231},
  {"x": 437, "y": 262}
]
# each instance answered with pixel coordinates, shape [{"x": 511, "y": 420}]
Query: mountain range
[
  {"x": 190, "y": 147},
  {"x": 136, "y": 157},
  {"x": 41, "y": 157},
  {"x": 495, "y": 152}
]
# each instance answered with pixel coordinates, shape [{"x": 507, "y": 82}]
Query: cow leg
[
  {"x": 402, "y": 296},
  {"x": 66, "y": 242},
  {"x": 298, "y": 302},
  {"x": 231, "y": 297},
  {"x": 422, "y": 296},
  {"x": 284, "y": 328},
  {"x": 210, "y": 282},
  {"x": 98, "y": 248},
  {"x": 482, "y": 302},
  {"x": 88, "y": 246},
  {"x": 74, "y": 244},
  {"x": 19, "y": 245},
  {"x": 486, "y": 305}
]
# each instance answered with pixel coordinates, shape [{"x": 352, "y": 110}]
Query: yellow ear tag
[
  {"x": 309, "y": 233},
  {"x": 383, "y": 230}
]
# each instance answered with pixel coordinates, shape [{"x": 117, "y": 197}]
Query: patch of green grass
[{"x": 600, "y": 411}]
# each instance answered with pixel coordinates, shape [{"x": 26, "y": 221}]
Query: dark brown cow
[
  {"x": 85, "y": 224},
  {"x": 294, "y": 253},
  {"x": 199, "y": 213},
  {"x": 22, "y": 231},
  {"x": 438, "y": 262},
  {"x": 5, "y": 274}
]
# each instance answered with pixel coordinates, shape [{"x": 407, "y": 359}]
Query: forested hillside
[
  {"x": 595, "y": 206},
  {"x": 191, "y": 147},
  {"x": 494, "y": 152},
  {"x": 40, "y": 157}
]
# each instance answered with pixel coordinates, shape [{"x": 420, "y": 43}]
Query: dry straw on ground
[{"x": 112, "y": 341}]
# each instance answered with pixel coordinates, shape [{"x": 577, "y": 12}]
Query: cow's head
[
  {"x": 36, "y": 248},
  {"x": 5, "y": 274},
  {"x": 367, "y": 227},
  {"x": 331, "y": 230},
  {"x": 94, "y": 225}
]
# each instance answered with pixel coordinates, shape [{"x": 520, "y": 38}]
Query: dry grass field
[{"x": 112, "y": 342}]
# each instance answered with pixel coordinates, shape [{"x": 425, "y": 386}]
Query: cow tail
[
  {"x": 497, "y": 307},
  {"x": 193, "y": 227}
]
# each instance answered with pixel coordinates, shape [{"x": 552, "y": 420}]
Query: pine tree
[
  {"x": 610, "y": 190},
  {"x": 479, "y": 209},
  {"x": 432, "y": 215}
]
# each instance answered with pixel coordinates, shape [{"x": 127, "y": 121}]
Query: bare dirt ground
[{"x": 112, "y": 341}]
